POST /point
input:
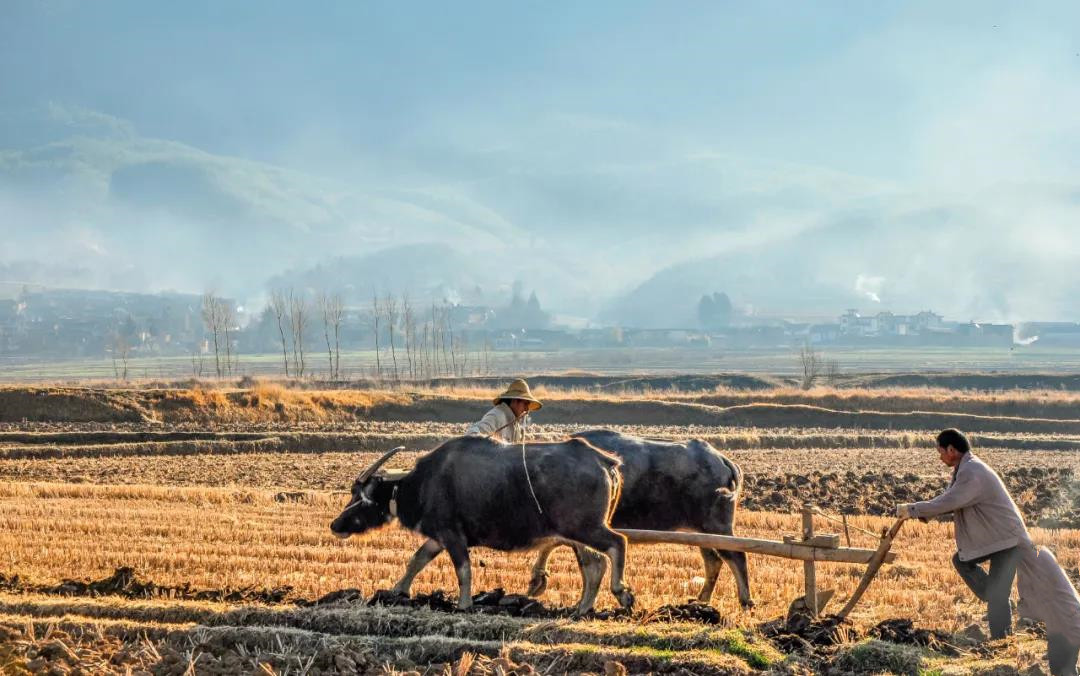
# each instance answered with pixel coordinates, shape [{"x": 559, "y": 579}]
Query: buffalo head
[{"x": 369, "y": 507}]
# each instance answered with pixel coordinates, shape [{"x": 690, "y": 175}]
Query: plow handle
[{"x": 872, "y": 567}]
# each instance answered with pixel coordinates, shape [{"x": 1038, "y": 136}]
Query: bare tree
[
  {"x": 337, "y": 316},
  {"x": 434, "y": 343},
  {"x": 390, "y": 307},
  {"x": 211, "y": 315},
  {"x": 460, "y": 346},
  {"x": 120, "y": 351},
  {"x": 227, "y": 317},
  {"x": 446, "y": 336},
  {"x": 375, "y": 314},
  {"x": 331, "y": 309},
  {"x": 410, "y": 330},
  {"x": 832, "y": 372},
  {"x": 196, "y": 362},
  {"x": 811, "y": 363},
  {"x": 279, "y": 305},
  {"x": 450, "y": 339},
  {"x": 425, "y": 352},
  {"x": 298, "y": 314},
  {"x": 326, "y": 305}
]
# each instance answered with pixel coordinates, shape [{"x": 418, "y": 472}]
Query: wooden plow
[{"x": 810, "y": 548}]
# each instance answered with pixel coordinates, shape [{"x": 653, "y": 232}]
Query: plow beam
[{"x": 756, "y": 546}]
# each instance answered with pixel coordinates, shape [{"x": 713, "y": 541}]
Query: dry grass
[
  {"x": 216, "y": 538},
  {"x": 907, "y": 398},
  {"x": 267, "y": 402},
  {"x": 259, "y": 403}
]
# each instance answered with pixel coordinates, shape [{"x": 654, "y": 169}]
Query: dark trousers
[
  {"x": 993, "y": 587},
  {"x": 1062, "y": 655}
]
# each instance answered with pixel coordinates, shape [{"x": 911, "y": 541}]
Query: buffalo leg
[
  {"x": 721, "y": 522},
  {"x": 538, "y": 583},
  {"x": 713, "y": 564},
  {"x": 592, "y": 566},
  {"x": 459, "y": 554},
  {"x": 605, "y": 540},
  {"x": 736, "y": 561},
  {"x": 423, "y": 556}
]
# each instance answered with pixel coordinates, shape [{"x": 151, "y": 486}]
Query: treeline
[
  {"x": 409, "y": 341},
  {"x": 433, "y": 347}
]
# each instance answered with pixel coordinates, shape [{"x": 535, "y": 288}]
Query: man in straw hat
[{"x": 504, "y": 421}]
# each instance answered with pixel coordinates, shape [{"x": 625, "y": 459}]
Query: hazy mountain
[
  {"x": 967, "y": 263},
  {"x": 172, "y": 215},
  {"x": 636, "y": 242}
]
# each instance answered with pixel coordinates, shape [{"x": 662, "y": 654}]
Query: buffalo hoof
[
  {"x": 625, "y": 598},
  {"x": 538, "y": 584},
  {"x": 747, "y": 604}
]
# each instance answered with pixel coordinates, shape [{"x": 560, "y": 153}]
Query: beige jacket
[
  {"x": 985, "y": 518},
  {"x": 499, "y": 423},
  {"x": 1046, "y": 593}
]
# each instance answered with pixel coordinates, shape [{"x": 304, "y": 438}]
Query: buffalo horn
[{"x": 370, "y": 471}]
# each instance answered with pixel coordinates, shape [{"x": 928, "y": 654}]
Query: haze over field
[{"x": 621, "y": 158}]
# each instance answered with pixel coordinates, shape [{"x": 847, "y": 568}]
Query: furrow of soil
[
  {"x": 1046, "y": 485},
  {"x": 430, "y": 435}
]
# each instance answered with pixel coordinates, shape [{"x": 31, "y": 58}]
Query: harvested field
[
  {"x": 240, "y": 540},
  {"x": 168, "y": 537},
  {"x": 858, "y": 482}
]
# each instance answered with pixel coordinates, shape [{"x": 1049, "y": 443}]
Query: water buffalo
[
  {"x": 670, "y": 486},
  {"x": 474, "y": 491}
]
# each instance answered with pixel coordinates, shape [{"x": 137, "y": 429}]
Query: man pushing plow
[{"x": 989, "y": 529}]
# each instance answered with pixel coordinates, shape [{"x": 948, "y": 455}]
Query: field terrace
[{"x": 211, "y": 493}]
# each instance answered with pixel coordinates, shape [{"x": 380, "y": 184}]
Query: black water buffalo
[
  {"x": 670, "y": 486},
  {"x": 474, "y": 491}
]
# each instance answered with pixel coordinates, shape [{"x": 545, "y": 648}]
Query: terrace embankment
[{"x": 1045, "y": 413}]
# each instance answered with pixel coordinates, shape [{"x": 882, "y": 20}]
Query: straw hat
[{"x": 519, "y": 389}]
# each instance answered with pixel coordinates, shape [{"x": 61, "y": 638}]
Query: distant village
[{"x": 81, "y": 324}]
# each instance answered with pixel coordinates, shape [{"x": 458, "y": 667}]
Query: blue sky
[{"x": 564, "y": 126}]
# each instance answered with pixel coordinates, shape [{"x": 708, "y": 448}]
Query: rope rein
[
  {"x": 820, "y": 512},
  {"x": 528, "y": 479}
]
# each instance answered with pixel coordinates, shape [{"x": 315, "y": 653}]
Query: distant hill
[
  {"x": 93, "y": 203},
  {"x": 904, "y": 260},
  {"x": 428, "y": 271},
  {"x": 143, "y": 214}
]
